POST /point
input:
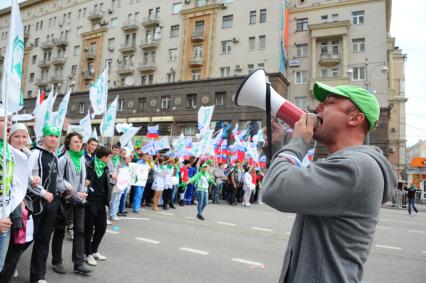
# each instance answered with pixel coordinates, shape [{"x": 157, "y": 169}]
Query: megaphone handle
[{"x": 269, "y": 122}]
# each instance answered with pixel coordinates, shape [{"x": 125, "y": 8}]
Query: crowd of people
[{"x": 76, "y": 191}]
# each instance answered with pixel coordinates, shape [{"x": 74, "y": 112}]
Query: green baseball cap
[
  {"x": 365, "y": 101},
  {"x": 51, "y": 131}
]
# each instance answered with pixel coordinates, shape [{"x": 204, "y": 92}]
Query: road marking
[
  {"x": 424, "y": 252},
  {"x": 165, "y": 213},
  {"x": 384, "y": 227},
  {"x": 226, "y": 223},
  {"x": 194, "y": 251},
  {"x": 288, "y": 233},
  {"x": 134, "y": 218},
  {"x": 249, "y": 262},
  {"x": 189, "y": 217},
  {"x": 112, "y": 232},
  {"x": 148, "y": 240},
  {"x": 417, "y": 231},
  {"x": 291, "y": 216},
  {"x": 261, "y": 229},
  {"x": 388, "y": 247}
]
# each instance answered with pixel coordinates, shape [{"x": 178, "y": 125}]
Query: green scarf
[
  {"x": 116, "y": 159},
  {"x": 99, "y": 167},
  {"x": 9, "y": 170},
  {"x": 76, "y": 159}
]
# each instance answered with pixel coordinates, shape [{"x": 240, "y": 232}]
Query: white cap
[{"x": 17, "y": 126}]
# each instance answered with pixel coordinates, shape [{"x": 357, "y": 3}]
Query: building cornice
[
  {"x": 94, "y": 32},
  {"x": 332, "y": 5},
  {"x": 200, "y": 9},
  {"x": 346, "y": 23}
]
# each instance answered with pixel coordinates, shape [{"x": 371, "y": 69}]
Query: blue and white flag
[
  {"x": 12, "y": 68},
  {"x": 108, "y": 122},
  {"x": 86, "y": 125},
  {"x": 99, "y": 93},
  {"x": 59, "y": 117},
  {"x": 205, "y": 114}
]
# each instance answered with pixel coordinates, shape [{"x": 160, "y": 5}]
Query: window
[
  {"x": 227, "y": 21},
  {"x": 174, "y": 31},
  {"x": 335, "y": 72},
  {"x": 226, "y": 47},
  {"x": 171, "y": 76},
  {"x": 199, "y": 27},
  {"x": 189, "y": 130},
  {"x": 302, "y": 24},
  {"x": 73, "y": 70},
  {"x": 220, "y": 98},
  {"x": 324, "y": 18},
  {"x": 120, "y": 105},
  {"x": 191, "y": 100},
  {"x": 196, "y": 75},
  {"x": 324, "y": 73},
  {"x": 29, "y": 94},
  {"x": 143, "y": 80},
  {"x": 34, "y": 59},
  {"x": 31, "y": 77},
  {"x": 81, "y": 108},
  {"x": 250, "y": 67},
  {"x": 358, "y": 45},
  {"x": 301, "y": 101},
  {"x": 252, "y": 43},
  {"x": 301, "y": 77},
  {"x": 358, "y": 73},
  {"x": 36, "y": 41},
  {"x": 165, "y": 102},
  {"x": 261, "y": 65},
  {"x": 142, "y": 103},
  {"x": 262, "y": 16},
  {"x": 225, "y": 72},
  {"x": 151, "y": 79},
  {"x": 76, "y": 50},
  {"x": 262, "y": 42},
  {"x": 197, "y": 52},
  {"x": 78, "y": 31},
  {"x": 252, "y": 17},
  {"x": 153, "y": 53},
  {"x": 114, "y": 22},
  {"x": 173, "y": 54},
  {"x": 334, "y": 17},
  {"x": 177, "y": 7},
  {"x": 111, "y": 44},
  {"x": 357, "y": 17},
  {"x": 301, "y": 50},
  {"x": 324, "y": 48},
  {"x": 108, "y": 63},
  {"x": 335, "y": 47}
]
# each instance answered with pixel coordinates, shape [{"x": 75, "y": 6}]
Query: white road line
[
  {"x": 424, "y": 252},
  {"x": 384, "y": 227},
  {"x": 388, "y": 247},
  {"x": 261, "y": 229},
  {"x": 112, "y": 232},
  {"x": 249, "y": 262},
  {"x": 165, "y": 213},
  {"x": 288, "y": 233},
  {"x": 194, "y": 251},
  {"x": 148, "y": 240},
  {"x": 134, "y": 218},
  {"x": 417, "y": 231},
  {"x": 189, "y": 217},
  {"x": 226, "y": 223}
]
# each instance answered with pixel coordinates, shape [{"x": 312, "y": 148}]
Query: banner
[
  {"x": 163, "y": 143},
  {"x": 59, "y": 118},
  {"x": 12, "y": 66},
  {"x": 98, "y": 93},
  {"x": 139, "y": 174},
  {"x": 108, "y": 122},
  {"x": 205, "y": 114}
]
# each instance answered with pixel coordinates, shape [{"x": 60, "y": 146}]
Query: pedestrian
[
  {"x": 140, "y": 183},
  {"x": 337, "y": 200},
  {"x": 220, "y": 177},
  {"x": 71, "y": 180},
  {"x": 99, "y": 186},
  {"x": 202, "y": 180},
  {"x": 126, "y": 156},
  {"x": 89, "y": 152},
  {"x": 190, "y": 188},
  {"x": 248, "y": 186},
  {"x": 158, "y": 185},
  {"x": 168, "y": 186},
  {"x": 184, "y": 179},
  {"x": 412, "y": 199},
  {"x": 233, "y": 183}
]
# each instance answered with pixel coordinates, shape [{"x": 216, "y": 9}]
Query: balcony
[
  {"x": 197, "y": 36},
  {"x": 60, "y": 42},
  {"x": 46, "y": 45},
  {"x": 131, "y": 25},
  {"x": 42, "y": 82},
  {"x": 128, "y": 48},
  {"x": 151, "y": 21},
  {"x": 148, "y": 67},
  {"x": 88, "y": 76},
  {"x": 95, "y": 15},
  {"x": 44, "y": 64},
  {"x": 59, "y": 60},
  {"x": 329, "y": 60},
  {"x": 56, "y": 79},
  {"x": 149, "y": 44},
  {"x": 90, "y": 54},
  {"x": 126, "y": 69},
  {"x": 196, "y": 62}
]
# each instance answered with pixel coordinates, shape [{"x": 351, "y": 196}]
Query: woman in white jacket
[
  {"x": 248, "y": 185},
  {"x": 160, "y": 172}
]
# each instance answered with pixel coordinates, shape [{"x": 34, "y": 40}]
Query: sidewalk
[{"x": 420, "y": 207}]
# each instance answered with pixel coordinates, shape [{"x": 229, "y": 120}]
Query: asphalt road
[{"x": 233, "y": 244}]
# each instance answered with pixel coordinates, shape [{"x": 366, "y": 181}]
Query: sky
[{"x": 408, "y": 26}]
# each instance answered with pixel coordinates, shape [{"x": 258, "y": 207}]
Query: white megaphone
[{"x": 252, "y": 92}]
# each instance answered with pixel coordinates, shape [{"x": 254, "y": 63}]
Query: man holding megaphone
[{"x": 337, "y": 199}]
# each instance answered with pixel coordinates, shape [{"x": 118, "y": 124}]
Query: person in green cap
[
  {"x": 337, "y": 200},
  {"x": 46, "y": 202},
  {"x": 71, "y": 178}
]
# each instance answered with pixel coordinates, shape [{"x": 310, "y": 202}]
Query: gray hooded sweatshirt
[{"x": 337, "y": 201}]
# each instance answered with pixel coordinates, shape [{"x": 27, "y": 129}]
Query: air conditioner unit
[
  {"x": 110, "y": 11},
  {"x": 235, "y": 40}
]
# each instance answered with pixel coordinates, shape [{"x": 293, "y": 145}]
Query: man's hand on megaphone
[
  {"x": 277, "y": 133},
  {"x": 304, "y": 128}
]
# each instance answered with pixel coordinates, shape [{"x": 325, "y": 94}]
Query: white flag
[
  {"x": 163, "y": 143},
  {"x": 42, "y": 114},
  {"x": 205, "y": 114},
  {"x": 58, "y": 120},
  {"x": 128, "y": 132},
  {"x": 86, "y": 124},
  {"x": 99, "y": 93},
  {"x": 108, "y": 122},
  {"x": 12, "y": 71}
]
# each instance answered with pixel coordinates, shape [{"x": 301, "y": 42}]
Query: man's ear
[{"x": 356, "y": 119}]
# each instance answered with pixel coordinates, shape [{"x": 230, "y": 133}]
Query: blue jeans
[
  {"x": 122, "y": 207},
  {"x": 137, "y": 198},
  {"x": 114, "y": 204},
  {"x": 217, "y": 192},
  {"x": 4, "y": 245},
  {"x": 174, "y": 191},
  {"x": 202, "y": 201},
  {"x": 412, "y": 204}
]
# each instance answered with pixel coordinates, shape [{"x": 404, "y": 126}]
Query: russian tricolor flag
[{"x": 152, "y": 132}]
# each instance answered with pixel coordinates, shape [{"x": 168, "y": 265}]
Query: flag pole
[{"x": 4, "y": 161}]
